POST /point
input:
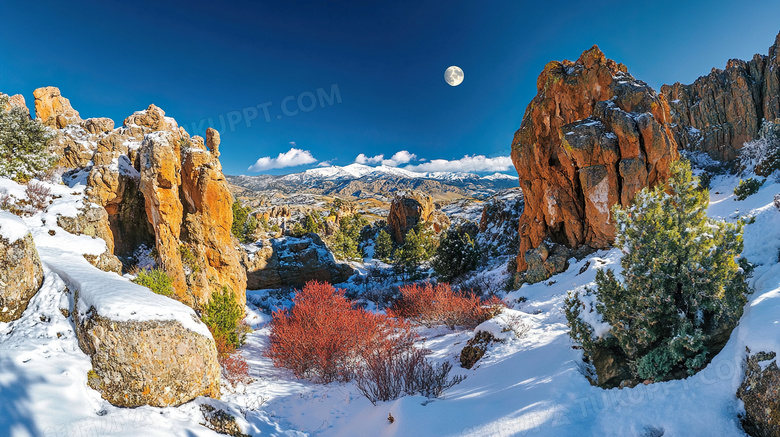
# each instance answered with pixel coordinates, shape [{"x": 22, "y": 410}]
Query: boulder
[
  {"x": 146, "y": 349},
  {"x": 760, "y": 393},
  {"x": 21, "y": 274},
  {"x": 53, "y": 109},
  {"x": 545, "y": 261},
  {"x": 719, "y": 112},
  {"x": 591, "y": 138},
  {"x": 408, "y": 209},
  {"x": 98, "y": 125},
  {"x": 292, "y": 262},
  {"x": 611, "y": 370}
]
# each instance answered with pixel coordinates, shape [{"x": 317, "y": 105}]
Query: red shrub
[
  {"x": 325, "y": 337},
  {"x": 235, "y": 369},
  {"x": 432, "y": 305}
]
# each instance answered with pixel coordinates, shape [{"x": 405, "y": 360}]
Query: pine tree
[
  {"x": 409, "y": 256},
  {"x": 311, "y": 224},
  {"x": 345, "y": 247},
  {"x": 23, "y": 144},
  {"x": 457, "y": 254},
  {"x": 682, "y": 287},
  {"x": 384, "y": 246}
]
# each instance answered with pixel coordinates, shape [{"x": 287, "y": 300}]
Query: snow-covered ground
[{"x": 532, "y": 385}]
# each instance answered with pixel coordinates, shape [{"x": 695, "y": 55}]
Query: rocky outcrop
[
  {"x": 719, "y": 112},
  {"x": 760, "y": 393},
  {"x": 189, "y": 206},
  {"x": 98, "y": 125},
  {"x": 21, "y": 274},
  {"x": 498, "y": 224},
  {"x": 292, "y": 262},
  {"x": 153, "y": 118},
  {"x": 15, "y": 101},
  {"x": 408, "y": 209},
  {"x": 92, "y": 220},
  {"x": 53, "y": 109},
  {"x": 592, "y": 137},
  {"x": 159, "y": 187},
  {"x": 212, "y": 141}
]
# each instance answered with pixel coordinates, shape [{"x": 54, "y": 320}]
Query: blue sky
[{"x": 355, "y": 77}]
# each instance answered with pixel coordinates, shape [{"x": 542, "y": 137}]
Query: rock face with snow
[
  {"x": 53, "y": 109},
  {"x": 499, "y": 221},
  {"x": 760, "y": 392},
  {"x": 21, "y": 273},
  {"x": 157, "y": 363},
  {"x": 592, "y": 137},
  {"x": 92, "y": 220},
  {"x": 159, "y": 187},
  {"x": 189, "y": 206},
  {"x": 408, "y": 209},
  {"x": 146, "y": 349},
  {"x": 292, "y": 262},
  {"x": 719, "y": 112}
]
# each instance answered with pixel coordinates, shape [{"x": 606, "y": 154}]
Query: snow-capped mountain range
[{"x": 360, "y": 180}]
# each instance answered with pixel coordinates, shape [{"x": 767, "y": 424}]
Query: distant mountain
[{"x": 362, "y": 181}]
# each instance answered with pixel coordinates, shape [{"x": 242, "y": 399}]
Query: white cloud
[
  {"x": 399, "y": 158},
  {"x": 365, "y": 160},
  {"x": 324, "y": 164},
  {"x": 473, "y": 164},
  {"x": 291, "y": 158}
]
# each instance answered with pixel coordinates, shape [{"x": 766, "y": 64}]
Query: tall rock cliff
[
  {"x": 159, "y": 187},
  {"x": 719, "y": 112},
  {"x": 592, "y": 137}
]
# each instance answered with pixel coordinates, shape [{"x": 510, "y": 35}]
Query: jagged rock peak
[
  {"x": 53, "y": 109},
  {"x": 592, "y": 137},
  {"x": 719, "y": 112}
]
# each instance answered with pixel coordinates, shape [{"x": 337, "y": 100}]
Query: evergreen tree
[
  {"x": 384, "y": 246},
  {"x": 345, "y": 247},
  {"x": 23, "y": 144},
  {"x": 682, "y": 287},
  {"x": 311, "y": 224},
  {"x": 457, "y": 254},
  {"x": 244, "y": 225},
  {"x": 409, "y": 256}
]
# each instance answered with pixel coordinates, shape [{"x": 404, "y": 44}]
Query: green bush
[
  {"x": 457, "y": 254},
  {"x": 683, "y": 290},
  {"x": 223, "y": 317},
  {"x": 23, "y": 144},
  {"x": 747, "y": 188},
  {"x": 189, "y": 259},
  {"x": 157, "y": 280},
  {"x": 384, "y": 246},
  {"x": 244, "y": 225},
  {"x": 312, "y": 223}
]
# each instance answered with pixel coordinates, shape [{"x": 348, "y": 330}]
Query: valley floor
[{"x": 534, "y": 385}]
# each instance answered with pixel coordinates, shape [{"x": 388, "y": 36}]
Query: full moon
[{"x": 453, "y": 75}]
